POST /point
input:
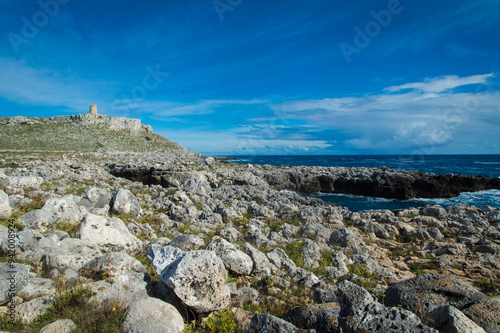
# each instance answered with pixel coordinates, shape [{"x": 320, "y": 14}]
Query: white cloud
[
  {"x": 441, "y": 84},
  {"x": 425, "y": 114}
]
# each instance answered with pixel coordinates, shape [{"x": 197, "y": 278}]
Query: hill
[{"x": 80, "y": 133}]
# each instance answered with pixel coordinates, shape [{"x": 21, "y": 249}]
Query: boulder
[
  {"x": 69, "y": 253},
  {"x": 98, "y": 200},
  {"x": 452, "y": 320},
  {"x": 29, "y": 311},
  {"x": 187, "y": 242},
  {"x": 349, "y": 238},
  {"x": 150, "y": 315},
  {"x": 107, "y": 232},
  {"x": 427, "y": 292},
  {"x": 37, "y": 287},
  {"x": 112, "y": 264},
  {"x": 5, "y": 209},
  {"x": 260, "y": 262},
  {"x": 124, "y": 202},
  {"x": 265, "y": 323},
  {"x": 198, "y": 278},
  {"x": 126, "y": 289},
  {"x": 38, "y": 219},
  {"x": 321, "y": 317},
  {"x": 485, "y": 313},
  {"x": 60, "y": 326},
  {"x": 233, "y": 259}
]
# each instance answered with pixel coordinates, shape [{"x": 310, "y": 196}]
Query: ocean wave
[{"x": 357, "y": 202}]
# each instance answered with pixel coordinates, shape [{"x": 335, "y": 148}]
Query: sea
[{"x": 485, "y": 165}]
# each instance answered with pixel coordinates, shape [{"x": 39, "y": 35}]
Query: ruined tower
[{"x": 93, "y": 109}]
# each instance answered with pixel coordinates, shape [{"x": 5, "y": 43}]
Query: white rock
[
  {"x": 113, "y": 264},
  {"x": 124, "y": 202},
  {"x": 198, "y": 278},
  {"x": 261, "y": 263},
  {"x": 107, "y": 232},
  {"x": 5, "y": 209},
  {"x": 234, "y": 259},
  {"x": 59, "y": 326},
  {"x": 70, "y": 253},
  {"x": 150, "y": 315}
]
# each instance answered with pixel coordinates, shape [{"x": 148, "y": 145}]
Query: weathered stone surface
[
  {"x": 107, "y": 232},
  {"x": 425, "y": 293},
  {"x": 349, "y": 238},
  {"x": 485, "y": 313},
  {"x": 126, "y": 288},
  {"x": 321, "y": 317},
  {"x": 124, "y": 202},
  {"x": 150, "y": 315},
  {"x": 234, "y": 259},
  {"x": 14, "y": 277},
  {"x": 260, "y": 262},
  {"x": 21, "y": 182},
  {"x": 198, "y": 278},
  {"x": 5, "y": 209},
  {"x": 187, "y": 242},
  {"x": 39, "y": 219},
  {"x": 112, "y": 264},
  {"x": 452, "y": 320},
  {"x": 28, "y": 311},
  {"x": 99, "y": 200},
  {"x": 69, "y": 253},
  {"x": 37, "y": 287},
  {"x": 264, "y": 323},
  {"x": 59, "y": 326}
]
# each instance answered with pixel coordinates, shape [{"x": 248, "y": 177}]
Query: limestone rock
[
  {"x": 5, "y": 209},
  {"x": 38, "y": 219},
  {"x": 37, "y": 287},
  {"x": 107, "y": 232},
  {"x": 453, "y": 320},
  {"x": 29, "y": 311},
  {"x": 150, "y": 315},
  {"x": 264, "y": 323},
  {"x": 198, "y": 278},
  {"x": 260, "y": 262},
  {"x": 321, "y": 317},
  {"x": 113, "y": 264},
  {"x": 69, "y": 253},
  {"x": 126, "y": 288},
  {"x": 187, "y": 242},
  {"x": 234, "y": 259},
  {"x": 427, "y": 292},
  {"x": 124, "y": 202},
  {"x": 59, "y": 326}
]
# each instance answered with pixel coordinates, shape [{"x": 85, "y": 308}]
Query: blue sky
[{"x": 265, "y": 77}]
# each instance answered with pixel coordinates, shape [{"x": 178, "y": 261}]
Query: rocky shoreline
[{"x": 179, "y": 241}]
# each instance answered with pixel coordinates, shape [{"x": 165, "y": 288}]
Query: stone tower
[{"x": 93, "y": 109}]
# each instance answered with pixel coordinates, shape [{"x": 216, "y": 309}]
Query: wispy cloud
[{"x": 440, "y": 84}]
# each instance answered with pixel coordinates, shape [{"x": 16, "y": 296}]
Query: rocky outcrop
[
  {"x": 374, "y": 182},
  {"x": 133, "y": 126}
]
